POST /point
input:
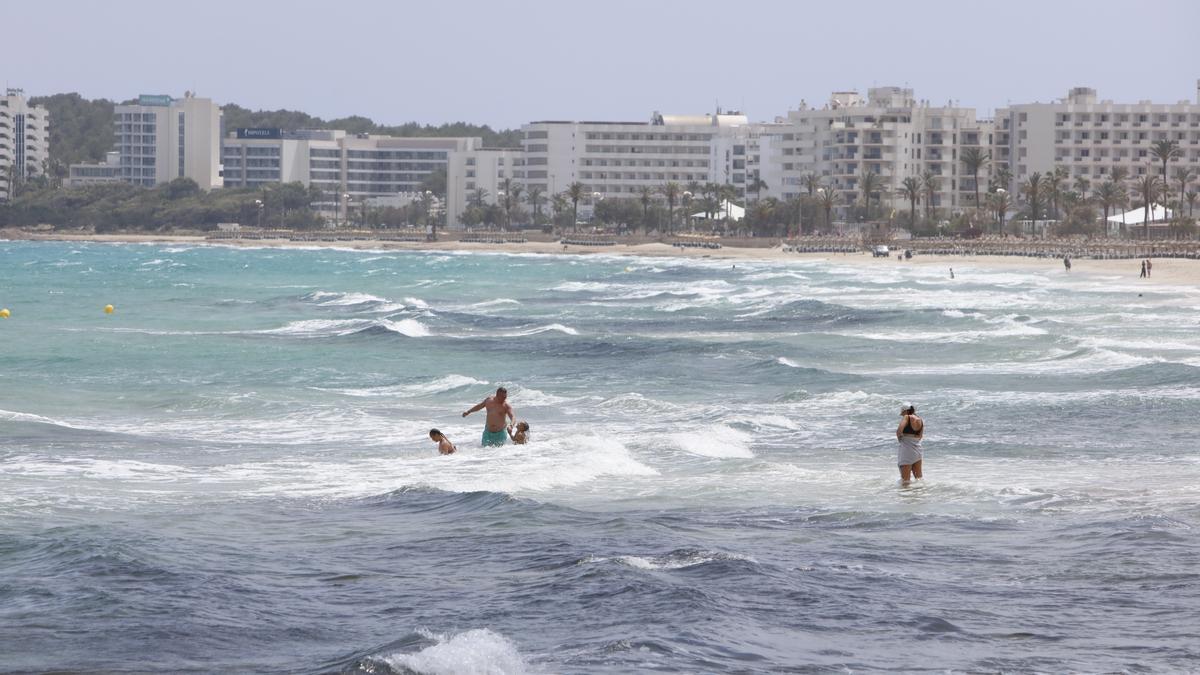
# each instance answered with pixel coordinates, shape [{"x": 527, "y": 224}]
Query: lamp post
[
  {"x": 687, "y": 206},
  {"x": 500, "y": 200},
  {"x": 1002, "y": 207},
  {"x": 258, "y": 203},
  {"x": 346, "y": 209},
  {"x": 596, "y": 197}
]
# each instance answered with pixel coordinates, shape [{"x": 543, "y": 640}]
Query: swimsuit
[
  {"x": 910, "y": 445},
  {"x": 494, "y": 438}
]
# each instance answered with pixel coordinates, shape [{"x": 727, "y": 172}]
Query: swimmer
[
  {"x": 522, "y": 435},
  {"x": 497, "y": 410},
  {"x": 445, "y": 447},
  {"x": 910, "y": 433}
]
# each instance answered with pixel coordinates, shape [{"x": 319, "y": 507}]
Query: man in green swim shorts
[{"x": 495, "y": 427}]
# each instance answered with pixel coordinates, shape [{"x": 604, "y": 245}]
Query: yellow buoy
[
  {"x": 4, "y": 313},
  {"x": 109, "y": 309}
]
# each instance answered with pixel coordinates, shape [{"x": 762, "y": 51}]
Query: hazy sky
[{"x": 504, "y": 63}]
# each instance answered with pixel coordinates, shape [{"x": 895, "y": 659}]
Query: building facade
[
  {"x": 890, "y": 134},
  {"x": 1091, "y": 138},
  {"x": 161, "y": 138},
  {"x": 108, "y": 171},
  {"x": 24, "y": 141},
  {"x": 619, "y": 159},
  {"x": 480, "y": 173}
]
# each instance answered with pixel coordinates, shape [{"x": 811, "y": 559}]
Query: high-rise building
[
  {"x": 1090, "y": 138},
  {"x": 24, "y": 141},
  {"x": 160, "y": 138},
  {"x": 889, "y": 134}
]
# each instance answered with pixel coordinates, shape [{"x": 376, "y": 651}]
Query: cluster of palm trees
[{"x": 1073, "y": 203}]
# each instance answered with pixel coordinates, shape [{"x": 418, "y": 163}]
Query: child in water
[
  {"x": 445, "y": 447},
  {"x": 522, "y": 435}
]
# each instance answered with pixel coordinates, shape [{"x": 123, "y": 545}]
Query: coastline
[{"x": 1166, "y": 271}]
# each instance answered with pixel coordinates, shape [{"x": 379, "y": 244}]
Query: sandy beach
[{"x": 1165, "y": 270}]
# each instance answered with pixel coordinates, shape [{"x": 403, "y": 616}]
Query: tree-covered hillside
[{"x": 81, "y": 130}]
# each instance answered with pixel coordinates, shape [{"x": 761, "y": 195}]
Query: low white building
[
  {"x": 88, "y": 173},
  {"x": 24, "y": 140},
  {"x": 481, "y": 173}
]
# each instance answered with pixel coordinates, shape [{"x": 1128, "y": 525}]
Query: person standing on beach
[
  {"x": 910, "y": 433},
  {"x": 1067, "y": 262},
  {"x": 495, "y": 427},
  {"x": 1143, "y": 270},
  {"x": 1149, "y": 266}
]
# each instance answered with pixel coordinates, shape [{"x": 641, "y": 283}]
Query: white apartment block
[
  {"x": 888, "y": 133},
  {"x": 160, "y": 139},
  {"x": 24, "y": 140},
  {"x": 254, "y": 157},
  {"x": 484, "y": 169},
  {"x": 618, "y": 159},
  {"x": 1090, "y": 138}
]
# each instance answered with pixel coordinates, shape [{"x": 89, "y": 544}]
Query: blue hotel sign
[{"x": 260, "y": 133}]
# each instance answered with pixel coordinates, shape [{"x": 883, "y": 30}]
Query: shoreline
[{"x": 1166, "y": 271}]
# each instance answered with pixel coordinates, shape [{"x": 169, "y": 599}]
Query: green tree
[
  {"x": 534, "y": 197},
  {"x": 911, "y": 189},
  {"x": 999, "y": 202},
  {"x": 869, "y": 183},
  {"x": 1165, "y": 151},
  {"x": 930, "y": 183},
  {"x": 974, "y": 159},
  {"x": 827, "y": 198},
  {"x": 1184, "y": 175},
  {"x": 757, "y": 185},
  {"x": 645, "y": 196},
  {"x": 1149, "y": 188},
  {"x": 1034, "y": 189},
  {"x": 671, "y": 192},
  {"x": 1054, "y": 184},
  {"x": 575, "y": 193},
  {"x": 1108, "y": 195}
]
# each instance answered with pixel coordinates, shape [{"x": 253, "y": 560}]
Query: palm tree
[
  {"x": 558, "y": 203},
  {"x": 534, "y": 197},
  {"x": 1184, "y": 175},
  {"x": 1190, "y": 198},
  {"x": 1119, "y": 174},
  {"x": 1054, "y": 185},
  {"x": 479, "y": 197},
  {"x": 811, "y": 182},
  {"x": 974, "y": 159},
  {"x": 1002, "y": 178},
  {"x": 646, "y": 195},
  {"x": 930, "y": 182},
  {"x": 827, "y": 198},
  {"x": 911, "y": 188},
  {"x": 999, "y": 202},
  {"x": 1148, "y": 188},
  {"x": 1081, "y": 185},
  {"x": 726, "y": 193},
  {"x": 757, "y": 185},
  {"x": 868, "y": 183},
  {"x": 575, "y": 193},
  {"x": 1108, "y": 195},
  {"x": 516, "y": 189},
  {"x": 1033, "y": 188},
  {"x": 671, "y": 192},
  {"x": 1165, "y": 151}
]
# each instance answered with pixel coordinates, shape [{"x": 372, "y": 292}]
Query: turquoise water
[{"x": 232, "y": 471}]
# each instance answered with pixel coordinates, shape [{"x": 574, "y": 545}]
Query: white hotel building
[
  {"x": 889, "y": 133},
  {"x": 617, "y": 159},
  {"x": 160, "y": 139},
  {"x": 24, "y": 140},
  {"x": 1090, "y": 138}
]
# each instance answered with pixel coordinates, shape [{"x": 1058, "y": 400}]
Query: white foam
[
  {"x": 436, "y": 386},
  {"x": 783, "y": 360},
  {"x": 554, "y": 327},
  {"x": 474, "y": 652},
  {"x": 408, "y": 327},
  {"x": 718, "y": 441}
]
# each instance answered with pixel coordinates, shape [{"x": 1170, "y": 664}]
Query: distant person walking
[
  {"x": 951, "y": 272},
  {"x": 1067, "y": 262},
  {"x": 909, "y": 434},
  {"x": 1149, "y": 266},
  {"x": 1143, "y": 270}
]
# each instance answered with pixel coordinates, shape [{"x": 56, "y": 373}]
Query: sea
[{"x": 232, "y": 471}]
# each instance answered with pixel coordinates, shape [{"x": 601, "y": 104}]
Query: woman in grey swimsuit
[{"x": 909, "y": 433}]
